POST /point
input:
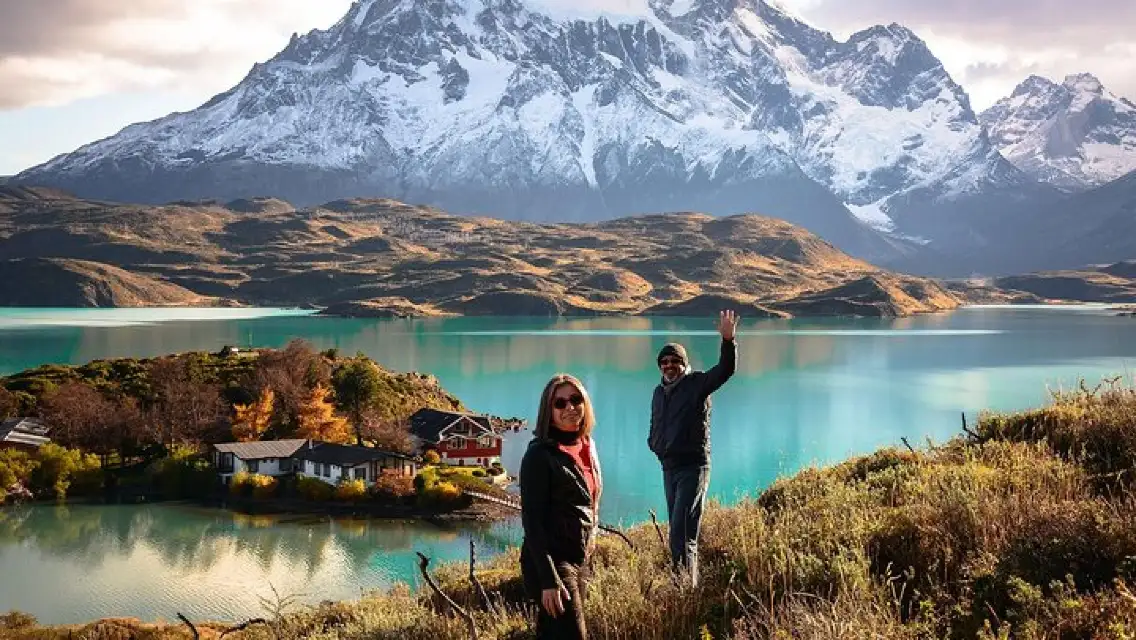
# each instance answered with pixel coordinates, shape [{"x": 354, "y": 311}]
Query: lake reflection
[{"x": 153, "y": 561}]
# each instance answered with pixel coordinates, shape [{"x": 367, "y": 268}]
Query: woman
[{"x": 561, "y": 485}]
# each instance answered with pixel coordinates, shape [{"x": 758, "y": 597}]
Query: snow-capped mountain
[
  {"x": 509, "y": 108},
  {"x": 1076, "y": 135}
]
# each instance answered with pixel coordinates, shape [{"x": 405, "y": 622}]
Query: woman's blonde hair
[{"x": 544, "y": 416}]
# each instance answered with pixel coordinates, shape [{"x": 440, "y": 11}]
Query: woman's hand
[{"x": 554, "y": 599}]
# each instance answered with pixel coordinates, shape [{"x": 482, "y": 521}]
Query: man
[{"x": 680, "y": 437}]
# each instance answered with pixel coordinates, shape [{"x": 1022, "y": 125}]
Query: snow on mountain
[
  {"x": 1076, "y": 134},
  {"x": 523, "y": 110}
]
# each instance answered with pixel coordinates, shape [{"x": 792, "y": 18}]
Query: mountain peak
[
  {"x": 1076, "y": 134},
  {"x": 1085, "y": 82}
]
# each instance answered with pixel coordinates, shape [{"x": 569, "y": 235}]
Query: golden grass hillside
[
  {"x": 384, "y": 258},
  {"x": 1025, "y": 528}
]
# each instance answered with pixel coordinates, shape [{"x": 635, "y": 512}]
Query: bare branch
[
  {"x": 245, "y": 625},
  {"x": 907, "y": 444},
  {"x": 192, "y": 629},
  {"x": 477, "y": 583},
  {"x": 423, "y": 563},
  {"x": 967, "y": 430},
  {"x": 658, "y": 530}
]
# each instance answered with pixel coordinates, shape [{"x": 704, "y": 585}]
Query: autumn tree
[
  {"x": 290, "y": 373},
  {"x": 385, "y": 433},
  {"x": 358, "y": 384},
  {"x": 250, "y": 421},
  {"x": 82, "y": 418},
  {"x": 318, "y": 421},
  {"x": 183, "y": 408}
]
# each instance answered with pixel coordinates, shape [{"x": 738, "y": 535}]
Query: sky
[{"x": 75, "y": 71}]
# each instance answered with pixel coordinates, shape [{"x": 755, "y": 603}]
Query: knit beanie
[{"x": 673, "y": 349}]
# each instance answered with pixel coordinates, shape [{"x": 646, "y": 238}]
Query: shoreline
[{"x": 1008, "y": 503}]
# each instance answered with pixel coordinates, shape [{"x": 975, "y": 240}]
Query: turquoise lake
[{"x": 807, "y": 391}]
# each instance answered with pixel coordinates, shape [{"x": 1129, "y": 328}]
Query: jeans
[
  {"x": 570, "y": 624},
  {"x": 686, "y": 493}
]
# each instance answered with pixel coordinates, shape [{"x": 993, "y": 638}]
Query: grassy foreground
[{"x": 1025, "y": 528}]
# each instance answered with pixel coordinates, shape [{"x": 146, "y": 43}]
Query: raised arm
[
  {"x": 534, "y": 509},
  {"x": 717, "y": 375}
]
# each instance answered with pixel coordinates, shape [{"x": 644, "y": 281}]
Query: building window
[
  {"x": 361, "y": 473},
  {"x": 485, "y": 442},
  {"x": 253, "y": 466},
  {"x": 326, "y": 470}
]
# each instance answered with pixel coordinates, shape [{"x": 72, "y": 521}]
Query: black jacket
[
  {"x": 680, "y": 414},
  {"x": 557, "y": 511}
]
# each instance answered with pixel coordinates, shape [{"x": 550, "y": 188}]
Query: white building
[
  {"x": 268, "y": 457},
  {"x": 331, "y": 462}
]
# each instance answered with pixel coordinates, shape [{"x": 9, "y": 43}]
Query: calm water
[{"x": 807, "y": 391}]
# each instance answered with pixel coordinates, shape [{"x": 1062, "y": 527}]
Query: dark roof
[
  {"x": 262, "y": 449},
  {"x": 429, "y": 423},
  {"x": 344, "y": 455},
  {"x": 29, "y": 431}
]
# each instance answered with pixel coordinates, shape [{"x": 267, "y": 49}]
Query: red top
[{"x": 581, "y": 453}]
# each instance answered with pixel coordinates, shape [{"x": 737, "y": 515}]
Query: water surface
[{"x": 807, "y": 391}]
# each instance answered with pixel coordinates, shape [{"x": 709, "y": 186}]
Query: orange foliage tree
[
  {"x": 318, "y": 420},
  {"x": 251, "y": 420}
]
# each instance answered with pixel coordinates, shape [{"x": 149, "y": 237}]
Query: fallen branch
[
  {"x": 477, "y": 583},
  {"x": 192, "y": 629},
  {"x": 423, "y": 563},
  {"x": 907, "y": 444},
  {"x": 245, "y": 625},
  {"x": 658, "y": 530}
]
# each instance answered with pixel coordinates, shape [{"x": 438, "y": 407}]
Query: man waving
[{"x": 680, "y": 437}]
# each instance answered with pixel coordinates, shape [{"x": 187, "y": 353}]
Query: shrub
[
  {"x": 479, "y": 473},
  {"x": 253, "y": 484},
  {"x": 392, "y": 487},
  {"x": 15, "y": 620},
  {"x": 314, "y": 489},
  {"x": 431, "y": 457},
  {"x": 350, "y": 490},
  {"x": 444, "y": 493}
]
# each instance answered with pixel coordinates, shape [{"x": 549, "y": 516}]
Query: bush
[
  {"x": 314, "y": 489},
  {"x": 15, "y": 620},
  {"x": 350, "y": 490},
  {"x": 253, "y": 484},
  {"x": 443, "y": 493},
  {"x": 479, "y": 473},
  {"x": 431, "y": 457},
  {"x": 183, "y": 476},
  {"x": 392, "y": 487}
]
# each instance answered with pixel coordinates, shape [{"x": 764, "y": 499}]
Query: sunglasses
[
  {"x": 561, "y": 403},
  {"x": 665, "y": 361}
]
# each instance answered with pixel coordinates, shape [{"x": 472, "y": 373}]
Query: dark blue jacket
[{"x": 680, "y": 413}]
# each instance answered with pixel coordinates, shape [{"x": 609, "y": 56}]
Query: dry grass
[{"x": 1027, "y": 530}]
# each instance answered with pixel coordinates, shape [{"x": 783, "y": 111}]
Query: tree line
[{"x": 126, "y": 409}]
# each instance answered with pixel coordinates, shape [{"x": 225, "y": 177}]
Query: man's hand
[
  {"x": 554, "y": 599},
  {"x": 727, "y": 324}
]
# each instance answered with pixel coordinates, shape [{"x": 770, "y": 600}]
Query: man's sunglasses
[
  {"x": 665, "y": 361},
  {"x": 576, "y": 400}
]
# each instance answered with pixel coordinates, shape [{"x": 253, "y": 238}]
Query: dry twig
[
  {"x": 192, "y": 629},
  {"x": 477, "y": 583},
  {"x": 423, "y": 563},
  {"x": 658, "y": 530}
]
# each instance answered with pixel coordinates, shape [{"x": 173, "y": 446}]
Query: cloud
[{"x": 57, "y": 51}]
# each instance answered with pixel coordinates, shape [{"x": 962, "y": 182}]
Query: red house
[{"x": 459, "y": 438}]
